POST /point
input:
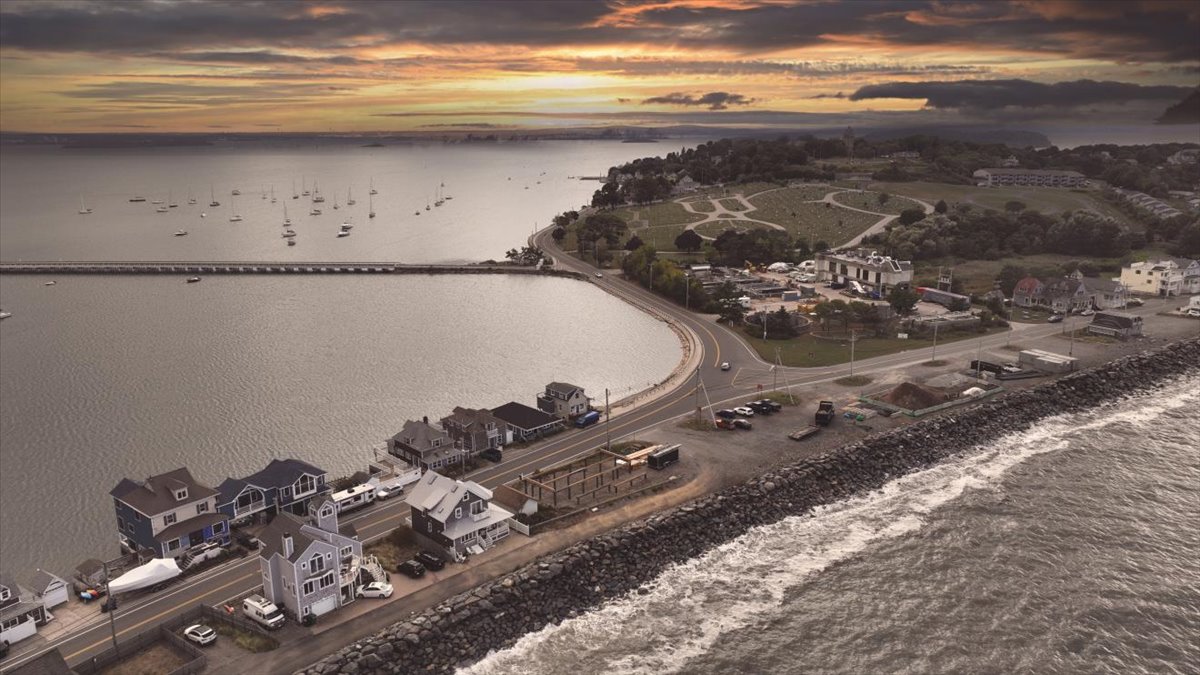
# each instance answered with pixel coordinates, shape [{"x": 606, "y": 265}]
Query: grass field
[
  {"x": 655, "y": 215},
  {"x": 731, "y": 204},
  {"x": 869, "y": 201},
  {"x": 977, "y": 276},
  {"x": 702, "y": 205},
  {"x": 1046, "y": 200},
  {"x": 807, "y": 351}
]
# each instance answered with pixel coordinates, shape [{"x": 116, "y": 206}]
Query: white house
[
  {"x": 455, "y": 516},
  {"x": 20, "y": 613},
  {"x": 563, "y": 400},
  {"x": 873, "y": 271},
  {"x": 310, "y": 568},
  {"x": 50, "y": 589},
  {"x": 1166, "y": 277}
]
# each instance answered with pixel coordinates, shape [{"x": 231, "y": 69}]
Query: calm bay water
[
  {"x": 1070, "y": 548},
  {"x": 106, "y": 377}
]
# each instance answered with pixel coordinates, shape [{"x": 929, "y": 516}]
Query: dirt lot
[{"x": 157, "y": 659}]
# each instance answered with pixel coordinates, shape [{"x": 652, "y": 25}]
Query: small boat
[
  {"x": 371, "y": 208},
  {"x": 373, "y": 190},
  {"x": 343, "y": 233},
  {"x": 335, "y": 203},
  {"x": 350, "y": 197},
  {"x": 347, "y": 225},
  {"x": 161, "y": 209},
  {"x": 50, "y": 283},
  {"x": 4, "y": 314},
  {"x": 236, "y": 192},
  {"x": 235, "y": 218},
  {"x": 191, "y": 199},
  {"x": 203, "y": 214},
  {"x": 295, "y": 195},
  {"x": 303, "y": 187},
  {"x": 171, "y": 203},
  {"x": 156, "y": 201},
  {"x": 212, "y": 197},
  {"x": 83, "y": 210},
  {"x": 417, "y": 212},
  {"x": 137, "y": 199},
  {"x": 272, "y": 194},
  {"x": 448, "y": 197},
  {"x": 180, "y": 233},
  {"x": 286, "y": 220},
  {"x": 192, "y": 280},
  {"x": 291, "y": 242},
  {"x": 288, "y": 233},
  {"x": 315, "y": 212}
]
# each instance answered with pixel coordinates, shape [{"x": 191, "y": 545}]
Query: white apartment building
[
  {"x": 1167, "y": 277},
  {"x": 999, "y": 177},
  {"x": 875, "y": 272}
]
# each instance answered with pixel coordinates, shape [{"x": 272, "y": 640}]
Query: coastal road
[{"x": 715, "y": 343}]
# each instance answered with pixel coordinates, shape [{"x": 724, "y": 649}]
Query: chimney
[
  {"x": 425, "y": 419},
  {"x": 148, "y": 485},
  {"x": 287, "y": 545}
]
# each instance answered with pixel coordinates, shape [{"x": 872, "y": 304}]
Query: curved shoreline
[{"x": 495, "y": 614}]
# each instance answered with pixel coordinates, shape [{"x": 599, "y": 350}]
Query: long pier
[{"x": 259, "y": 267}]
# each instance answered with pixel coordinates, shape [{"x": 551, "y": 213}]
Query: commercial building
[
  {"x": 1001, "y": 177},
  {"x": 873, "y": 271}
]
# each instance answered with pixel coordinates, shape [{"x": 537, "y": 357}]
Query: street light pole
[
  {"x": 607, "y": 423},
  {"x": 933, "y": 357},
  {"x": 687, "y": 292},
  {"x": 853, "y": 339}
]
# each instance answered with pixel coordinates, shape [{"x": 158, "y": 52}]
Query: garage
[{"x": 324, "y": 605}]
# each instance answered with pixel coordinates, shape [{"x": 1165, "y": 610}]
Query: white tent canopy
[{"x": 154, "y": 572}]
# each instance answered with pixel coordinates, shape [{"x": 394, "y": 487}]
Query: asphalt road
[{"x": 716, "y": 344}]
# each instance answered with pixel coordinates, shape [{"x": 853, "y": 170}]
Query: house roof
[
  {"x": 523, "y": 417},
  {"x": 1102, "y": 285},
  {"x": 563, "y": 388},
  {"x": 467, "y": 417},
  {"x": 183, "y": 527},
  {"x": 42, "y": 579},
  {"x": 463, "y": 526},
  {"x": 272, "y": 537},
  {"x": 156, "y": 494},
  {"x": 229, "y": 489},
  {"x": 282, "y": 472},
  {"x": 420, "y": 436},
  {"x": 49, "y": 663},
  {"x": 1027, "y": 285},
  {"x": 89, "y": 567},
  {"x": 8, "y": 583},
  {"x": 436, "y": 494},
  {"x": 21, "y": 608},
  {"x": 509, "y": 497}
]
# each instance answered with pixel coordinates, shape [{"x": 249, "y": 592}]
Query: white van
[
  {"x": 257, "y": 608},
  {"x": 857, "y": 288}
]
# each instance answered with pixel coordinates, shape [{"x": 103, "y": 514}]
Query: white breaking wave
[{"x": 745, "y": 581}]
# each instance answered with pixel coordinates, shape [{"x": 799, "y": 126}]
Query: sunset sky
[{"x": 377, "y": 66}]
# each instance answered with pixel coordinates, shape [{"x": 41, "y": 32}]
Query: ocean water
[
  {"x": 1070, "y": 548},
  {"x": 109, "y": 377}
]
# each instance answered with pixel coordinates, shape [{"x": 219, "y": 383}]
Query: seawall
[{"x": 495, "y": 614}]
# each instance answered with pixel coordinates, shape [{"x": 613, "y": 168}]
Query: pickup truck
[{"x": 825, "y": 413}]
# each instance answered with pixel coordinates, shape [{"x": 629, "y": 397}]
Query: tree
[
  {"x": 903, "y": 299},
  {"x": 1009, "y": 276},
  {"x": 883, "y": 198},
  {"x": 689, "y": 241},
  {"x": 821, "y": 245},
  {"x": 558, "y": 234},
  {"x": 1014, "y": 206},
  {"x": 910, "y": 216},
  {"x": 527, "y": 255},
  {"x": 634, "y": 243},
  {"x": 941, "y": 206}
]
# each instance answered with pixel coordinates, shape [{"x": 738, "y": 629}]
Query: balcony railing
[{"x": 252, "y": 507}]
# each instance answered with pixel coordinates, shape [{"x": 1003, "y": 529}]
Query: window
[
  {"x": 305, "y": 610},
  {"x": 120, "y": 523},
  {"x": 169, "y": 519},
  {"x": 10, "y": 623},
  {"x": 346, "y": 551},
  {"x": 466, "y": 497},
  {"x": 173, "y": 545},
  {"x": 219, "y": 527},
  {"x": 137, "y": 516},
  {"x": 4, "y": 594},
  {"x": 181, "y": 494},
  {"x": 317, "y": 563},
  {"x": 202, "y": 507},
  {"x": 428, "y": 526},
  {"x": 310, "y": 587},
  {"x": 478, "y": 507},
  {"x": 458, "y": 513},
  {"x": 129, "y": 528},
  {"x": 306, "y": 484}
]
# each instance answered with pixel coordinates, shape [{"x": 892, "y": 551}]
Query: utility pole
[
  {"x": 933, "y": 357},
  {"x": 853, "y": 339},
  {"x": 651, "y": 276},
  {"x": 978, "y": 356},
  {"x": 1071, "y": 352},
  {"x": 687, "y": 292},
  {"x": 112, "y": 606},
  {"x": 775, "y": 372},
  {"x": 699, "y": 383},
  {"x": 607, "y": 423}
]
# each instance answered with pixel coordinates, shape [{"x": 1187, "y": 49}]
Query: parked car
[
  {"x": 1134, "y": 302},
  {"x": 726, "y": 414},
  {"x": 599, "y": 275},
  {"x": 744, "y": 411},
  {"x": 775, "y": 407},
  {"x": 837, "y": 286},
  {"x": 723, "y": 423},
  {"x": 411, "y": 568},
  {"x": 725, "y": 365},
  {"x": 376, "y": 589},
  {"x": 388, "y": 492},
  {"x": 1087, "y": 312},
  {"x": 200, "y": 634},
  {"x": 742, "y": 424},
  {"x": 493, "y": 455},
  {"x": 760, "y": 407},
  {"x": 1055, "y": 318},
  {"x": 430, "y": 560}
]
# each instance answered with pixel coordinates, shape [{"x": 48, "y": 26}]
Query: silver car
[{"x": 200, "y": 634}]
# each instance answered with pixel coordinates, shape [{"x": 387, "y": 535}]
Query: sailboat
[
  {"x": 373, "y": 190},
  {"x": 316, "y": 194},
  {"x": 171, "y": 203},
  {"x": 272, "y": 194},
  {"x": 191, "y": 199},
  {"x": 347, "y": 225},
  {"x": 335, "y": 204},
  {"x": 291, "y": 242},
  {"x": 286, "y": 221},
  {"x": 287, "y": 234},
  {"x": 161, "y": 209},
  {"x": 304, "y": 186},
  {"x": 438, "y": 201},
  {"x": 83, "y": 210},
  {"x": 295, "y": 195},
  {"x": 371, "y": 208},
  {"x": 350, "y": 197},
  {"x": 235, "y": 218},
  {"x": 212, "y": 196},
  {"x": 236, "y": 192}
]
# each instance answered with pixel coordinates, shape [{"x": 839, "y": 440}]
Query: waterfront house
[
  {"x": 426, "y": 446},
  {"x": 21, "y": 614},
  {"x": 168, "y": 514},
  {"x": 310, "y": 568},
  {"x": 563, "y": 400},
  {"x": 1165, "y": 277},
  {"x": 283, "y": 485},
  {"x": 455, "y": 516},
  {"x": 49, "y": 589},
  {"x": 1116, "y": 324},
  {"x": 525, "y": 423},
  {"x": 1069, "y": 294},
  {"x": 476, "y": 430}
]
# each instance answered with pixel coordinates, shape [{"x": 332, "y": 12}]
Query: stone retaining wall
[{"x": 495, "y": 614}]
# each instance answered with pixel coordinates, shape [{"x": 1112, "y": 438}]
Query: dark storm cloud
[
  {"x": 713, "y": 100},
  {"x": 991, "y": 94},
  {"x": 1121, "y": 31},
  {"x": 259, "y": 57}
]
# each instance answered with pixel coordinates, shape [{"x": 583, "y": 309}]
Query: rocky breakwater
[{"x": 494, "y": 615}]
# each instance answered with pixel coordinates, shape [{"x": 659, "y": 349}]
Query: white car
[
  {"x": 599, "y": 275},
  {"x": 200, "y": 634},
  {"x": 744, "y": 411},
  {"x": 375, "y": 589},
  {"x": 725, "y": 365},
  {"x": 387, "y": 493}
]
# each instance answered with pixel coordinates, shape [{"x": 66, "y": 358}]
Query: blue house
[
  {"x": 284, "y": 485},
  {"x": 168, "y": 514}
]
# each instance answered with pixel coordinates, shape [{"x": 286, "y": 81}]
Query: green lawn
[
  {"x": 654, "y": 215},
  {"x": 716, "y": 227},
  {"x": 808, "y": 351},
  {"x": 731, "y": 204},
  {"x": 702, "y": 205},
  {"x": 1046, "y": 200},
  {"x": 977, "y": 276},
  {"x": 869, "y": 201},
  {"x": 816, "y": 220}
]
